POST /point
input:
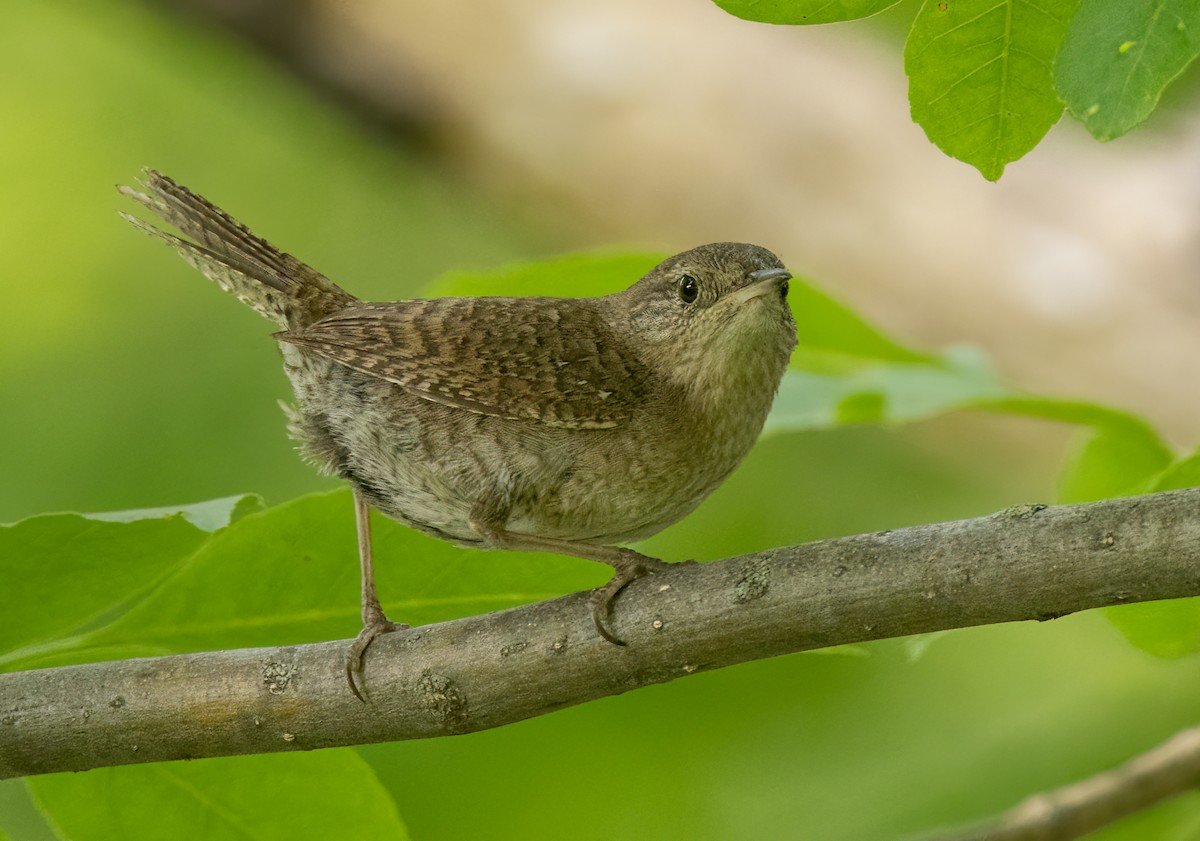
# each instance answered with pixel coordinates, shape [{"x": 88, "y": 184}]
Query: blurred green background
[{"x": 128, "y": 381}]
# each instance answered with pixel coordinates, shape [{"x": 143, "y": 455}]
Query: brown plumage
[
  {"x": 523, "y": 365},
  {"x": 547, "y": 424}
]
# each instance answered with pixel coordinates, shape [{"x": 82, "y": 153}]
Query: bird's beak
[{"x": 762, "y": 282}]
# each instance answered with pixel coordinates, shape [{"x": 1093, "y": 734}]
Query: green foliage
[
  {"x": 1165, "y": 629},
  {"x": 804, "y": 11},
  {"x": 73, "y": 571},
  {"x": 1184, "y": 473},
  {"x": 1119, "y": 454},
  {"x": 979, "y": 78},
  {"x": 1119, "y": 57},
  {"x": 988, "y": 79},
  {"x": 325, "y": 794}
]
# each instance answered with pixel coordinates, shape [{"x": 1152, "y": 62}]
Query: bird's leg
[
  {"x": 375, "y": 621},
  {"x": 627, "y": 565}
]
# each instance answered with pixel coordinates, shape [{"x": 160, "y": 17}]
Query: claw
[
  {"x": 631, "y": 567},
  {"x": 377, "y": 626}
]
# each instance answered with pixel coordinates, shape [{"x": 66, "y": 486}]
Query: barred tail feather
[{"x": 275, "y": 284}]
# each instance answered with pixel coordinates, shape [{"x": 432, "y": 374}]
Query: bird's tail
[{"x": 275, "y": 284}]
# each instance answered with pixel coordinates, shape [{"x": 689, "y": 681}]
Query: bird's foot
[
  {"x": 375, "y": 624},
  {"x": 629, "y": 566}
]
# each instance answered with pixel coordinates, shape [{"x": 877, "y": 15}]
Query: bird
[{"x": 549, "y": 424}]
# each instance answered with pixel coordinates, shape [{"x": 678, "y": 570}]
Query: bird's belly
[{"x": 433, "y": 466}]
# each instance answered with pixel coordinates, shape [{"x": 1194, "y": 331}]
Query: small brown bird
[{"x": 537, "y": 424}]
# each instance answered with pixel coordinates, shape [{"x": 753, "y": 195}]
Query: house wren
[{"x": 539, "y": 424}]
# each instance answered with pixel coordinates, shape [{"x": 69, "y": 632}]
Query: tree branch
[
  {"x": 1082, "y": 807},
  {"x": 1028, "y": 562}
]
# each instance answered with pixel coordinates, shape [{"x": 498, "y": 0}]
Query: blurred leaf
[
  {"x": 804, "y": 11},
  {"x": 285, "y": 575},
  {"x": 1119, "y": 56},
  {"x": 319, "y": 795},
  {"x": 980, "y": 80},
  {"x": 1184, "y": 473},
  {"x": 1121, "y": 455},
  {"x": 1117, "y": 460},
  {"x": 1165, "y": 628},
  {"x": 832, "y": 389},
  {"x": 825, "y": 324}
]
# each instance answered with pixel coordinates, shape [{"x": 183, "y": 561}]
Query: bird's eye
[{"x": 689, "y": 289}]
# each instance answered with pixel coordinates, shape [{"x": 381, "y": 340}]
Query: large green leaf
[
  {"x": 979, "y": 76},
  {"x": 804, "y": 11},
  {"x": 320, "y": 795},
  {"x": 66, "y": 573},
  {"x": 285, "y": 575},
  {"x": 1119, "y": 56}
]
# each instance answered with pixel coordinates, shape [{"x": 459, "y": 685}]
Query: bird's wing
[{"x": 551, "y": 360}]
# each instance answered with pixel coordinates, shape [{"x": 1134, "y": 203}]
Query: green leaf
[
  {"x": 289, "y": 574},
  {"x": 804, "y": 11},
  {"x": 824, "y": 390},
  {"x": 1113, "y": 461},
  {"x": 1184, "y": 473},
  {"x": 1120, "y": 55},
  {"x": 78, "y": 571},
  {"x": 65, "y": 572},
  {"x": 1121, "y": 454},
  {"x": 1165, "y": 628},
  {"x": 323, "y": 794},
  {"x": 980, "y": 80},
  {"x": 825, "y": 324}
]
